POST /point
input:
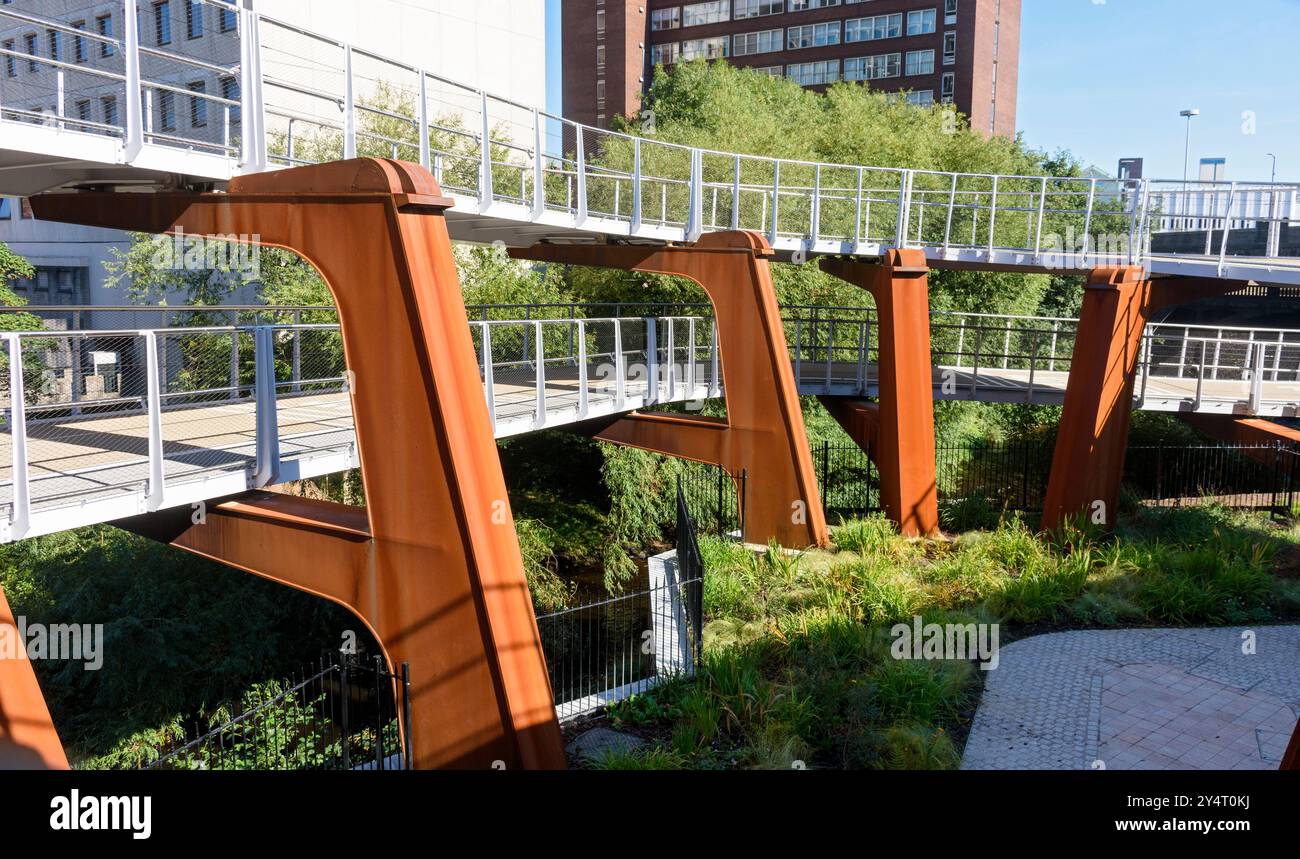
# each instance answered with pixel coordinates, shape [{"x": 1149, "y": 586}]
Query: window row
[
  {"x": 716, "y": 11},
  {"x": 62, "y": 46}
]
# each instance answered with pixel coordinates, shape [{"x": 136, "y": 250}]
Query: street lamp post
[
  {"x": 1187, "y": 150},
  {"x": 1273, "y": 178}
]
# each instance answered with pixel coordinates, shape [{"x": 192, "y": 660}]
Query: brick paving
[{"x": 1140, "y": 699}]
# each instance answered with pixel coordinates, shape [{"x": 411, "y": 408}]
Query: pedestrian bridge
[
  {"x": 107, "y": 423},
  {"x": 274, "y": 96}
]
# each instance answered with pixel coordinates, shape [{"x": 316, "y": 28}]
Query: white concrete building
[{"x": 496, "y": 45}]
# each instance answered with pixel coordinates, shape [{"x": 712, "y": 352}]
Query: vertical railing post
[
  {"x": 20, "y": 517},
  {"x": 904, "y": 208},
  {"x": 1227, "y": 226},
  {"x": 993, "y": 215},
  {"x": 539, "y": 166},
  {"x": 857, "y": 212},
  {"x": 1042, "y": 208},
  {"x": 1257, "y": 379},
  {"x": 153, "y": 414},
  {"x": 349, "y": 106},
  {"x": 297, "y": 352},
  {"x": 620, "y": 366},
  {"x": 488, "y": 383},
  {"x": 234, "y": 355},
  {"x": 267, "y": 418},
  {"x": 582, "y": 368},
  {"x": 735, "y": 193},
  {"x": 581, "y": 154},
  {"x": 695, "y": 217},
  {"x": 133, "y": 125},
  {"x": 423, "y": 114},
  {"x": 252, "y": 103},
  {"x": 814, "y": 210},
  {"x": 776, "y": 200},
  {"x": 715, "y": 383},
  {"x": 485, "y": 191},
  {"x": 652, "y": 360},
  {"x": 636, "y": 186},
  {"x": 539, "y": 359},
  {"x": 952, "y": 208}
]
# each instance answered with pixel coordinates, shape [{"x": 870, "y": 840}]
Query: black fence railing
[
  {"x": 715, "y": 498},
  {"x": 1013, "y": 476},
  {"x": 610, "y": 649},
  {"x": 341, "y": 714}
]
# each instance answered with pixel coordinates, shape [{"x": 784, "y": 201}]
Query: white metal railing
[{"x": 304, "y": 98}]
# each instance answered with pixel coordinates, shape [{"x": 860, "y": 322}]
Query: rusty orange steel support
[
  {"x": 431, "y": 565},
  {"x": 28, "y": 740},
  {"x": 763, "y": 432},
  {"x": 897, "y": 432},
  {"x": 1291, "y": 760},
  {"x": 1088, "y": 463}
]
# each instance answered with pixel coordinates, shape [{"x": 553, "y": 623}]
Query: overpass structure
[
  {"x": 103, "y": 424},
  {"x": 369, "y": 168}
]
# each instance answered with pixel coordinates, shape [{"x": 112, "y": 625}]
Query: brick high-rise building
[{"x": 964, "y": 52}]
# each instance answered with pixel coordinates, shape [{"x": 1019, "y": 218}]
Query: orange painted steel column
[
  {"x": 763, "y": 432},
  {"x": 1247, "y": 431},
  {"x": 898, "y": 432},
  {"x": 431, "y": 565},
  {"x": 1291, "y": 760},
  {"x": 28, "y": 740},
  {"x": 1088, "y": 462}
]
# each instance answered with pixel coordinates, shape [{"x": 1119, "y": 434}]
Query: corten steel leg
[
  {"x": 897, "y": 432},
  {"x": 1265, "y": 435},
  {"x": 763, "y": 432},
  {"x": 1088, "y": 463},
  {"x": 28, "y": 740},
  {"x": 431, "y": 565}
]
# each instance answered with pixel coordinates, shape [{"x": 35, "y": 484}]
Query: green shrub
[{"x": 916, "y": 747}]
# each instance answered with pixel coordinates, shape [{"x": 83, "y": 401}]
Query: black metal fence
[
  {"x": 715, "y": 497},
  {"x": 340, "y": 714},
  {"x": 1013, "y": 476},
  {"x": 610, "y": 649}
]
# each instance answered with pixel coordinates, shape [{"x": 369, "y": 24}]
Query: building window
[
  {"x": 11, "y": 67},
  {"x": 229, "y": 20},
  {"x": 949, "y": 87},
  {"x": 162, "y": 23},
  {"x": 950, "y": 11},
  {"x": 770, "y": 71},
  {"x": 920, "y": 22},
  {"x": 167, "y": 110},
  {"x": 6, "y": 209},
  {"x": 755, "y": 8},
  {"x": 804, "y": 5},
  {"x": 600, "y": 22},
  {"x": 924, "y": 98},
  {"x": 949, "y": 48},
  {"x": 813, "y": 35},
  {"x": 809, "y": 74},
  {"x": 763, "y": 42},
  {"x": 193, "y": 19},
  {"x": 872, "y": 28},
  {"x": 83, "y": 109},
  {"x": 709, "y": 49},
  {"x": 79, "y": 43},
  {"x": 600, "y": 56},
  {"x": 108, "y": 105},
  {"x": 920, "y": 62},
  {"x": 104, "y": 26},
  {"x": 665, "y": 55},
  {"x": 55, "y": 39},
  {"x": 712, "y": 12},
  {"x": 53, "y": 285},
  {"x": 873, "y": 68},
  {"x": 30, "y": 40},
  {"x": 198, "y": 105},
  {"x": 666, "y": 19}
]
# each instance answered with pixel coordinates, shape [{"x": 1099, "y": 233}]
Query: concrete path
[{"x": 1140, "y": 699}]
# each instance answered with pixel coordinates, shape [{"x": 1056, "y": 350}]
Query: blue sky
[{"x": 1107, "y": 78}]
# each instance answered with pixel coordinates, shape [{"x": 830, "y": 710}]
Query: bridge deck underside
[{"x": 94, "y": 468}]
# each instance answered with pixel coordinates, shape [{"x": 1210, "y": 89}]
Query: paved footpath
[{"x": 1140, "y": 699}]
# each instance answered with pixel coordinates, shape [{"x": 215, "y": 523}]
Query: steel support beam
[
  {"x": 898, "y": 432},
  {"x": 1088, "y": 463},
  {"x": 28, "y": 740},
  {"x": 431, "y": 565},
  {"x": 763, "y": 433}
]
